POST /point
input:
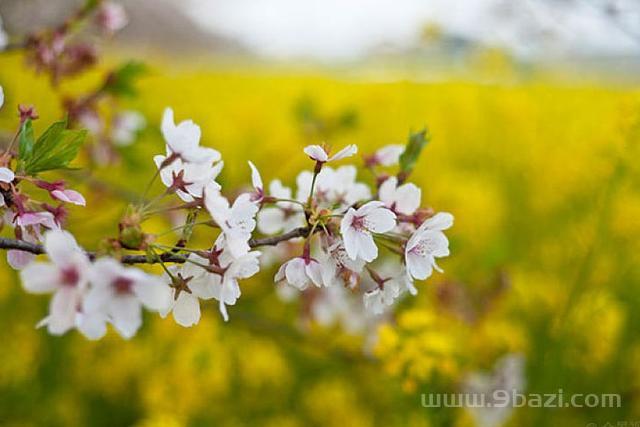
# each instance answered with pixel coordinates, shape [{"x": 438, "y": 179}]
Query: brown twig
[{"x": 37, "y": 249}]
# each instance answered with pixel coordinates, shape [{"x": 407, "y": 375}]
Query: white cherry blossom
[
  {"x": 126, "y": 125},
  {"x": 404, "y": 199},
  {"x": 344, "y": 188},
  {"x": 333, "y": 186},
  {"x": 426, "y": 244},
  {"x": 300, "y": 272},
  {"x": 185, "y": 303},
  {"x": 111, "y": 17},
  {"x": 206, "y": 285},
  {"x": 323, "y": 186},
  {"x": 357, "y": 225},
  {"x": 384, "y": 285},
  {"x": 334, "y": 305},
  {"x": 320, "y": 154},
  {"x": 237, "y": 222},
  {"x": 120, "y": 293},
  {"x": 66, "y": 277},
  {"x": 241, "y": 267},
  {"x": 90, "y": 120},
  {"x": 388, "y": 155},
  {"x": 188, "y": 179},
  {"x": 508, "y": 374},
  {"x": 377, "y": 300},
  {"x": 337, "y": 268},
  {"x": 283, "y": 216},
  {"x": 183, "y": 140}
]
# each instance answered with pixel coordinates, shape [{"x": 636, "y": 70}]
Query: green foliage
[
  {"x": 27, "y": 140},
  {"x": 55, "y": 148},
  {"x": 122, "y": 80},
  {"x": 417, "y": 141}
]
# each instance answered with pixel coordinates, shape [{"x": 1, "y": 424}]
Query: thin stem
[
  {"x": 153, "y": 201},
  {"x": 332, "y": 216},
  {"x": 180, "y": 227},
  {"x": 13, "y": 141},
  {"x": 164, "y": 267},
  {"x": 316, "y": 172},
  {"x": 172, "y": 208},
  {"x": 298, "y": 202},
  {"x": 178, "y": 248},
  {"x": 167, "y": 161}
]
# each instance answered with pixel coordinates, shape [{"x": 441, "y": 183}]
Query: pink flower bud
[
  {"x": 111, "y": 17},
  {"x": 69, "y": 196}
]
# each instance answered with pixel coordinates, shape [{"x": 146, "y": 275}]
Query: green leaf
[
  {"x": 27, "y": 140},
  {"x": 122, "y": 81},
  {"x": 55, "y": 148},
  {"x": 417, "y": 141}
]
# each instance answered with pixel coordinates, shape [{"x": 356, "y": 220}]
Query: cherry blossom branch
[
  {"x": 170, "y": 256},
  {"x": 272, "y": 241},
  {"x": 21, "y": 245}
]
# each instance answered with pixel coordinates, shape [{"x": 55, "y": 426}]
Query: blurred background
[{"x": 534, "y": 111}]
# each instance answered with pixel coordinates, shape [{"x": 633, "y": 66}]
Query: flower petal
[
  {"x": 126, "y": 315},
  {"x": 256, "y": 179},
  {"x": 62, "y": 310},
  {"x": 69, "y": 196},
  {"x": 19, "y": 259},
  {"x": 387, "y": 191},
  {"x": 314, "y": 272},
  {"x": 390, "y": 154},
  {"x": 39, "y": 278},
  {"x": 153, "y": 293},
  {"x": 296, "y": 274},
  {"x": 440, "y": 221},
  {"x": 418, "y": 267},
  {"x": 270, "y": 220},
  {"x": 381, "y": 220},
  {"x": 186, "y": 311},
  {"x": 367, "y": 248},
  {"x": 92, "y": 325},
  {"x": 6, "y": 175},
  {"x": 347, "y": 151},
  {"x": 407, "y": 198},
  {"x": 368, "y": 207},
  {"x": 276, "y": 189},
  {"x": 61, "y": 247},
  {"x": 316, "y": 152}
]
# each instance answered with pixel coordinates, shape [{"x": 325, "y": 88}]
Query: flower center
[
  {"x": 359, "y": 223},
  {"x": 424, "y": 248},
  {"x": 123, "y": 285},
  {"x": 70, "y": 276}
]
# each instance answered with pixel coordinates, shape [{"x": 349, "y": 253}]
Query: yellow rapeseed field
[{"x": 542, "y": 177}]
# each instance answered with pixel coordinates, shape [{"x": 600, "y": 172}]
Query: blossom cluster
[{"x": 333, "y": 231}]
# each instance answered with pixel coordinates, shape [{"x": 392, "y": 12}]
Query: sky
[{"x": 349, "y": 29}]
